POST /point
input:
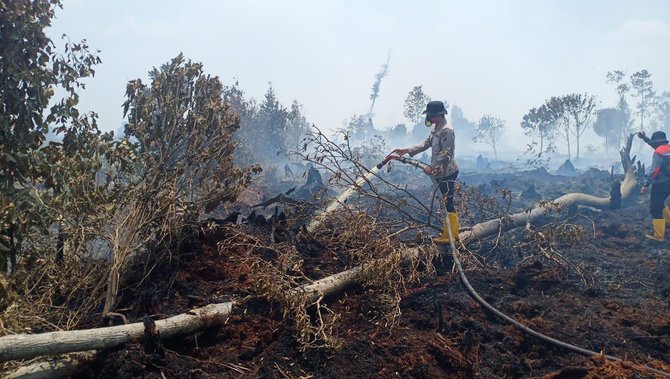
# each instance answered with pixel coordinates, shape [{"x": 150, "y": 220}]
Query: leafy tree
[
  {"x": 234, "y": 96},
  {"x": 415, "y": 103},
  {"x": 607, "y": 125},
  {"x": 263, "y": 128},
  {"x": 245, "y": 136},
  {"x": 539, "y": 123},
  {"x": 271, "y": 120},
  {"x": 266, "y": 129},
  {"x": 625, "y": 126},
  {"x": 32, "y": 70},
  {"x": 644, "y": 90},
  {"x": 184, "y": 132},
  {"x": 489, "y": 131}
]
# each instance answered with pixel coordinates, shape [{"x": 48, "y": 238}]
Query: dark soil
[{"x": 610, "y": 294}]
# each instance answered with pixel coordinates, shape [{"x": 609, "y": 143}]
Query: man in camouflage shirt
[{"x": 443, "y": 166}]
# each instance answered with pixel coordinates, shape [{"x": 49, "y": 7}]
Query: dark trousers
[
  {"x": 447, "y": 186},
  {"x": 659, "y": 192}
]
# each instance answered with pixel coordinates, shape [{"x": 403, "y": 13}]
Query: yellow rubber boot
[
  {"x": 659, "y": 230},
  {"x": 666, "y": 214},
  {"x": 452, "y": 217}
]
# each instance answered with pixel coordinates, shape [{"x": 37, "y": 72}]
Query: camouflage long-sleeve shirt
[{"x": 443, "y": 143}]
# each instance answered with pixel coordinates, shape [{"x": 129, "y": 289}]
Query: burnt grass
[{"x": 609, "y": 294}]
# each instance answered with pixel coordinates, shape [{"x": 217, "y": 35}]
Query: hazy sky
[{"x": 498, "y": 57}]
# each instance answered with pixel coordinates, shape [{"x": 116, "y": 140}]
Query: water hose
[
  {"x": 418, "y": 164},
  {"x": 525, "y": 329},
  {"x": 490, "y": 308}
]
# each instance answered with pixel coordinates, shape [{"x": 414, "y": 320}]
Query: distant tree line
[
  {"x": 562, "y": 118},
  {"x": 267, "y": 129},
  {"x": 567, "y": 117}
]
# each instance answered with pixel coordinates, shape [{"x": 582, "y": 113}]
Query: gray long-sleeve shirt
[{"x": 443, "y": 144}]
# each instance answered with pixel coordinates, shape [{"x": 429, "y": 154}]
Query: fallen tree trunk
[
  {"x": 29, "y": 346},
  {"x": 566, "y": 201},
  {"x": 340, "y": 281},
  {"x": 54, "y": 367},
  {"x": 26, "y": 346}
]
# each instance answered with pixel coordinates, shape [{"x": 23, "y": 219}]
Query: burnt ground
[{"x": 601, "y": 286}]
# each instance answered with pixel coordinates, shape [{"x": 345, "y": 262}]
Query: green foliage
[
  {"x": 489, "y": 131},
  {"x": 31, "y": 70},
  {"x": 271, "y": 122},
  {"x": 183, "y": 130},
  {"x": 130, "y": 199}
]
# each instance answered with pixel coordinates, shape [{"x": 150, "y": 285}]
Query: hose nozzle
[{"x": 386, "y": 160}]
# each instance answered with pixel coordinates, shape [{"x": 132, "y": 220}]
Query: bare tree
[
  {"x": 489, "y": 131},
  {"x": 571, "y": 113},
  {"x": 579, "y": 110}
]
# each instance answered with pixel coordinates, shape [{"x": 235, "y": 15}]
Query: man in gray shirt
[{"x": 443, "y": 166}]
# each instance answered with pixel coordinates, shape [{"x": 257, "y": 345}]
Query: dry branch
[
  {"x": 340, "y": 281},
  {"x": 29, "y": 346}
]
